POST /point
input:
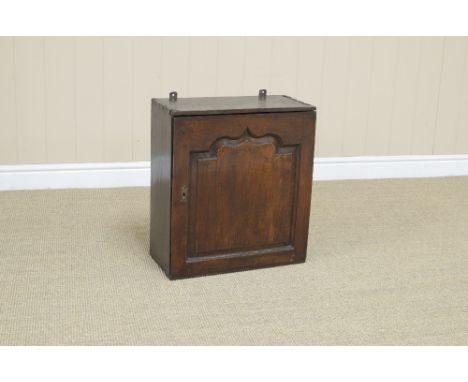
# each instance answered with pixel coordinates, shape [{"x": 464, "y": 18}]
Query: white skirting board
[{"x": 137, "y": 174}]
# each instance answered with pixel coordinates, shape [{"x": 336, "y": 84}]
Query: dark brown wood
[
  {"x": 240, "y": 188},
  {"x": 249, "y": 174},
  {"x": 161, "y": 159},
  {"x": 232, "y": 105}
]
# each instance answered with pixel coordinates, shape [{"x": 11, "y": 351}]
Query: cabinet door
[{"x": 240, "y": 191}]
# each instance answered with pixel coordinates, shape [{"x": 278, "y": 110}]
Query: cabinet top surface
[{"x": 232, "y": 105}]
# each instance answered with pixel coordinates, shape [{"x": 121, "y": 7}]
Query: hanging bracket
[{"x": 173, "y": 96}]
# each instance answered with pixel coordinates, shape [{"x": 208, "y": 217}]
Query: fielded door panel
[{"x": 240, "y": 191}]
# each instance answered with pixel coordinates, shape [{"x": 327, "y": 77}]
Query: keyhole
[{"x": 183, "y": 194}]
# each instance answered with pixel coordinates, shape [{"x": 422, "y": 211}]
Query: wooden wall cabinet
[{"x": 231, "y": 182}]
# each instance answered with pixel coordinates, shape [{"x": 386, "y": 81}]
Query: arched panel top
[
  {"x": 247, "y": 137},
  {"x": 255, "y": 174}
]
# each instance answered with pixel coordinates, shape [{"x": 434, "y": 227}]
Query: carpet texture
[{"x": 387, "y": 264}]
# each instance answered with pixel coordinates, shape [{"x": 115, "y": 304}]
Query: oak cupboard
[{"x": 231, "y": 182}]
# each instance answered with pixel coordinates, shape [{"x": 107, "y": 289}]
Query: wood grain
[
  {"x": 249, "y": 174},
  {"x": 232, "y": 105},
  {"x": 161, "y": 173}
]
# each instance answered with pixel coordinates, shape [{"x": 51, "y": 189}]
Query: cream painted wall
[{"x": 88, "y": 99}]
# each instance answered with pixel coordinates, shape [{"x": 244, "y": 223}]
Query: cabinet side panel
[{"x": 161, "y": 154}]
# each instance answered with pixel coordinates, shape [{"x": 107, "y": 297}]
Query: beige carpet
[{"x": 387, "y": 264}]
